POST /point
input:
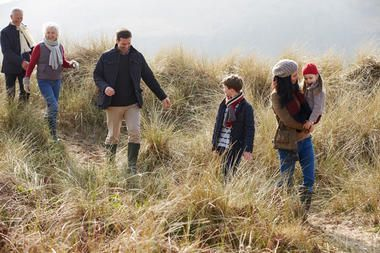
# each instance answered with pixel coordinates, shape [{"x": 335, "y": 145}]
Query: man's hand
[
  {"x": 247, "y": 156},
  {"x": 166, "y": 104},
  {"x": 26, "y": 82},
  {"x": 25, "y": 65},
  {"x": 109, "y": 91}
]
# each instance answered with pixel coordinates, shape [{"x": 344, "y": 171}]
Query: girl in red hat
[{"x": 314, "y": 93}]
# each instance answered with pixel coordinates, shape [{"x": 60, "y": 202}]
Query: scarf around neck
[
  {"x": 26, "y": 39},
  {"x": 56, "y": 57},
  {"x": 231, "y": 104},
  {"x": 298, "y": 107}
]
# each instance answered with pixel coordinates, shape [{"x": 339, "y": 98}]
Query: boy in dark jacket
[{"x": 234, "y": 128}]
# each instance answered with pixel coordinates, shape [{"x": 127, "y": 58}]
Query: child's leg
[
  {"x": 231, "y": 162},
  {"x": 225, "y": 164}
]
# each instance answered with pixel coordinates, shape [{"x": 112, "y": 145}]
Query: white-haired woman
[{"x": 49, "y": 56}]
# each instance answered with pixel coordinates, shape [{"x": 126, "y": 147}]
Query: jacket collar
[
  {"x": 12, "y": 26},
  {"x": 132, "y": 51},
  {"x": 223, "y": 104}
]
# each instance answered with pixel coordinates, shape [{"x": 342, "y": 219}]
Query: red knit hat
[{"x": 310, "y": 68}]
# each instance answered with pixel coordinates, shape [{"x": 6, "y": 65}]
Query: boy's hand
[
  {"x": 247, "y": 156},
  {"x": 307, "y": 125}
]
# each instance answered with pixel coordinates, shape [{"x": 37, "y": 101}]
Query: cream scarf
[
  {"x": 26, "y": 40},
  {"x": 55, "y": 57}
]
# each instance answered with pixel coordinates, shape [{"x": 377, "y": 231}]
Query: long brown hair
[{"x": 285, "y": 89}]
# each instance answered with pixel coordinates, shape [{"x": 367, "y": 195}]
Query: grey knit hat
[{"x": 284, "y": 68}]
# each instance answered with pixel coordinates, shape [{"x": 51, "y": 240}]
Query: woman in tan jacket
[{"x": 292, "y": 140}]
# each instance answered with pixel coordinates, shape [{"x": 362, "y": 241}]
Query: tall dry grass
[{"x": 52, "y": 201}]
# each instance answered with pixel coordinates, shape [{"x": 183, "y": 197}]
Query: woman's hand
[
  {"x": 74, "y": 64},
  {"x": 311, "y": 129}
]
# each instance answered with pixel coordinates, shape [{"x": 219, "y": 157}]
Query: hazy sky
[{"x": 212, "y": 27}]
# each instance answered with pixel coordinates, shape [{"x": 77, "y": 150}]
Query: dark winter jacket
[
  {"x": 106, "y": 72},
  {"x": 243, "y": 129},
  {"x": 10, "y": 47}
]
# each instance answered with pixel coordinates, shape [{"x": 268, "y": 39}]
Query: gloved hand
[
  {"x": 26, "y": 82},
  {"x": 75, "y": 64}
]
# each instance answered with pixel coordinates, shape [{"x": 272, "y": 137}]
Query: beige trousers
[{"x": 115, "y": 117}]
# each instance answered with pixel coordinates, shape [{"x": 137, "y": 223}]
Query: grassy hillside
[{"x": 64, "y": 196}]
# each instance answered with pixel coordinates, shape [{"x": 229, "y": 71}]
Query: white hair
[
  {"x": 48, "y": 26},
  {"x": 16, "y": 10}
]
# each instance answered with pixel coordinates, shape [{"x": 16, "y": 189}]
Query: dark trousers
[
  {"x": 10, "y": 85},
  {"x": 231, "y": 160}
]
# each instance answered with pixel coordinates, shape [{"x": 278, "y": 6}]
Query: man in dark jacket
[
  {"x": 16, "y": 46},
  {"x": 117, "y": 75}
]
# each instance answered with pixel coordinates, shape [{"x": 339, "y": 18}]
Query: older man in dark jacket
[
  {"x": 117, "y": 75},
  {"x": 16, "y": 46}
]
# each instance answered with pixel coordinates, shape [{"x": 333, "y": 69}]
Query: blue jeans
[
  {"x": 305, "y": 151},
  {"x": 50, "y": 91}
]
